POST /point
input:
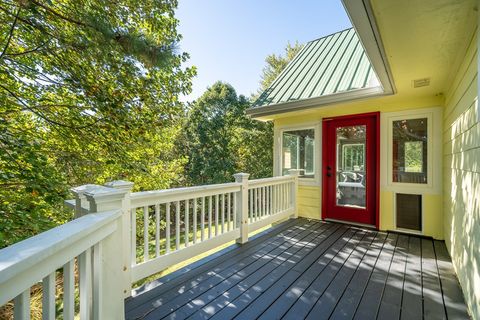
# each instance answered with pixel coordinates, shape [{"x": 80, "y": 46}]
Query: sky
[{"x": 229, "y": 40}]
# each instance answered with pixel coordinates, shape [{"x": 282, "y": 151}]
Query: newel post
[
  {"x": 112, "y": 270},
  {"x": 242, "y": 206},
  {"x": 295, "y": 173},
  {"x": 81, "y": 203}
]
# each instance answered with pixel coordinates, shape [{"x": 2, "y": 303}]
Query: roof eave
[
  {"x": 305, "y": 104},
  {"x": 363, "y": 20}
]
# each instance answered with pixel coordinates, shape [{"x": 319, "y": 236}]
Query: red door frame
[{"x": 376, "y": 158}]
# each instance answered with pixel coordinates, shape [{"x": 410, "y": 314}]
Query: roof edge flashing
[{"x": 316, "y": 102}]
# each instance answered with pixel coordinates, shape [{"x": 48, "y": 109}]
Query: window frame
[
  {"x": 434, "y": 151},
  {"x": 316, "y": 180}
]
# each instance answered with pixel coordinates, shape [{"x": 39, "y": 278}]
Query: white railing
[{"x": 119, "y": 237}]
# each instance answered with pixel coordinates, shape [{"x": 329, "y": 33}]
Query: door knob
[{"x": 329, "y": 174}]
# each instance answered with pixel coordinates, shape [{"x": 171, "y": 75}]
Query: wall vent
[{"x": 421, "y": 82}]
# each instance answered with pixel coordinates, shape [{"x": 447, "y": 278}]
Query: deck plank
[
  {"x": 316, "y": 269},
  {"x": 368, "y": 306},
  {"x": 328, "y": 301},
  {"x": 391, "y": 302},
  {"x": 219, "y": 268},
  {"x": 309, "y": 297},
  {"x": 348, "y": 303},
  {"x": 433, "y": 307},
  {"x": 412, "y": 303},
  {"x": 263, "y": 294},
  {"x": 197, "y": 296},
  {"x": 452, "y": 293},
  {"x": 259, "y": 281}
]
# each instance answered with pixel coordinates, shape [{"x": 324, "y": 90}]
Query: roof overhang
[
  {"x": 315, "y": 102},
  {"x": 363, "y": 20}
]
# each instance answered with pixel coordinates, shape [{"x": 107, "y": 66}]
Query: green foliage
[
  {"x": 220, "y": 140},
  {"x": 88, "y": 93},
  {"x": 276, "y": 64}
]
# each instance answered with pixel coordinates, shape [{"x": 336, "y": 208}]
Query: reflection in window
[
  {"x": 410, "y": 151},
  {"x": 350, "y": 162},
  {"x": 298, "y": 152}
]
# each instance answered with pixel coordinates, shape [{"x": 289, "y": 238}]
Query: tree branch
[{"x": 10, "y": 35}]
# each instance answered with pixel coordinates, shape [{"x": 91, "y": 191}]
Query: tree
[
  {"x": 276, "y": 64},
  {"x": 221, "y": 140},
  {"x": 88, "y": 93}
]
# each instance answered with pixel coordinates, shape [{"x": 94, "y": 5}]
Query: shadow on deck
[{"x": 313, "y": 270}]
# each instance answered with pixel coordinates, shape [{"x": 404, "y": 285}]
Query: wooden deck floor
[{"x": 312, "y": 270}]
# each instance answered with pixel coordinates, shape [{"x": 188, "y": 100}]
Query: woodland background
[{"x": 89, "y": 93}]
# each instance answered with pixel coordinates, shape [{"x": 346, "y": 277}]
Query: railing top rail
[
  {"x": 266, "y": 181},
  {"x": 166, "y": 193},
  {"x": 27, "y": 253}
]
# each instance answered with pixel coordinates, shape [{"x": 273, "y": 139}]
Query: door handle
[
  {"x": 329, "y": 174},
  {"x": 329, "y": 168}
]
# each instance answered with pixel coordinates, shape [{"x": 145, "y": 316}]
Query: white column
[
  {"x": 242, "y": 206},
  {"x": 294, "y": 192},
  {"x": 114, "y": 270}
]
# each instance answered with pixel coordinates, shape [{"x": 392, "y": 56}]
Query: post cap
[
  {"x": 120, "y": 184},
  {"x": 81, "y": 190},
  {"x": 241, "y": 176}
]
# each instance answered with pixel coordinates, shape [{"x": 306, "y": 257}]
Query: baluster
[
  {"x": 167, "y": 227},
  {"x": 250, "y": 216},
  {"x": 48, "y": 297},
  {"x": 69, "y": 290},
  {"x": 85, "y": 269},
  {"x": 256, "y": 203},
  {"x": 97, "y": 280},
  {"x": 194, "y": 220},
  {"x": 234, "y": 210},
  {"x": 216, "y": 215},
  {"x": 21, "y": 305},
  {"x": 202, "y": 218},
  {"x": 222, "y": 201},
  {"x": 210, "y": 217},
  {"x": 133, "y": 221},
  {"x": 177, "y": 225},
  {"x": 187, "y": 226},
  {"x": 145, "y": 233},
  {"x": 229, "y": 212},
  {"x": 270, "y": 193},
  {"x": 157, "y": 230},
  {"x": 264, "y": 202}
]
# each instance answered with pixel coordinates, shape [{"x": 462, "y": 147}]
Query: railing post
[
  {"x": 294, "y": 192},
  {"x": 242, "y": 206},
  {"x": 81, "y": 203},
  {"x": 113, "y": 272},
  {"x": 126, "y": 186}
]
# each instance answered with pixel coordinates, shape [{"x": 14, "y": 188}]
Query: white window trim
[
  {"x": 278, "y": 161},
  {"x": 434, "y": 151}
]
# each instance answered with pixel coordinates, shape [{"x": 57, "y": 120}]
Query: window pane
[
  {"x": 351, "y": 171},
  {"x": 410, "y": 151},
  {"x": 298, "y": 152}
]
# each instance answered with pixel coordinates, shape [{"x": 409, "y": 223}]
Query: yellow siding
[
  {"x": 462, "y": 179},
  {"x": 310, "y": 197},
  {"x": 309, "y": 202}
]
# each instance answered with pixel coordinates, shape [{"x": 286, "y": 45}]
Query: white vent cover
[{"x": 421, "y": 82}]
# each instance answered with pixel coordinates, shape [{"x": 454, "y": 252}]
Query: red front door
[{"x": 350, "y": 168}]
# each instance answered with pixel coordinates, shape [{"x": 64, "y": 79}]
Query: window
[
  {"x": 352, "y": 156},
  {"x": 298, "y": 152},
  {"x": 410, "y": 151}
]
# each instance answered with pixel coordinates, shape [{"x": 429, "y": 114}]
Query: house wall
[
  {"x": 310, "y": 196},
  {"x": 462, "y": 178}
]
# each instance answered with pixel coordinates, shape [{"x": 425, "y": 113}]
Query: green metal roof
[{"x": 332, "y": 64}]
